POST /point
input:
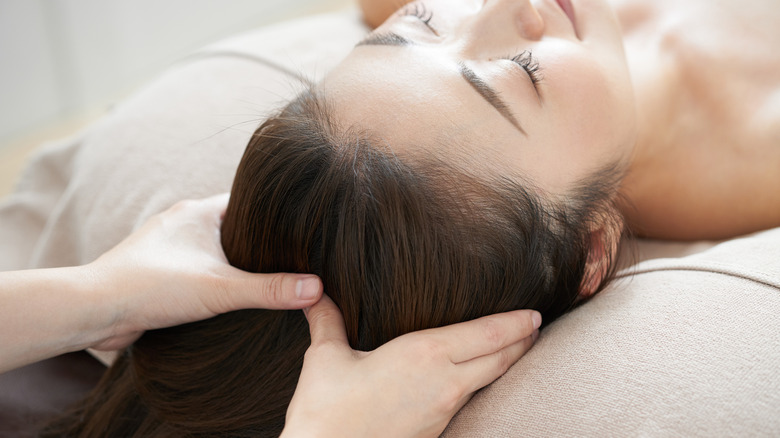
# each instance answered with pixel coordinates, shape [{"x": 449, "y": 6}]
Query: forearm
[{"x": 47, "y": 312}]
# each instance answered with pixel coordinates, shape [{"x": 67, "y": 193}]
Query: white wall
[
  {"x": 65, "y": 57},
  {"x": 28, "y": 84}
]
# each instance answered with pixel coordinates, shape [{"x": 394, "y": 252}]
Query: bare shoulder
[
  {"x": 709, "y": 196},
  {"x": 716, "y": 172},
  {"x": 712, "y": 167},
  {"x": 716, "y": 175}
]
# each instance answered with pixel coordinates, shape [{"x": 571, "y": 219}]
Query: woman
[
  {"x": 509, "y": 200},
  {"x": 668, "y": 89}
]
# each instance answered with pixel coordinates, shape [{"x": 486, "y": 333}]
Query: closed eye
[
  {"x": 419, "y": 10},
  {"x": 389, "y": 38},
  {"x": 524, "y": 59},
  {"x": 527, "y": 62}
]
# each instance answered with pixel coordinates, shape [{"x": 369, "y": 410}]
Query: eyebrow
[{"x": 486, "y": 91}]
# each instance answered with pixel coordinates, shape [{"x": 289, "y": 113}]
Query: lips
[{"x": 568, "y": 10}]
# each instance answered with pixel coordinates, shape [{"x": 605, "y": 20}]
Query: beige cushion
[
  {"x": 180, "y": 136},
  {"x": 687, "y": 346},
  {"x": 677, "y": 347}
]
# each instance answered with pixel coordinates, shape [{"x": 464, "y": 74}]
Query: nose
[{"x": 508, "y": 19}]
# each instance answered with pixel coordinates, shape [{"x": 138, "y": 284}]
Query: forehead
[{"x": 410, "y": 100}]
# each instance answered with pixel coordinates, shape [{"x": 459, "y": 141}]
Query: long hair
[{"x": 400, "y": 245}]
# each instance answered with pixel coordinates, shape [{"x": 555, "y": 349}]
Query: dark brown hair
[{"x": 401, "y": 245}]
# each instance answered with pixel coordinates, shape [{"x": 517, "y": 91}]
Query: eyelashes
[
  {"x": 525, "y": 59},
  {"x": 418, "y": 10}
]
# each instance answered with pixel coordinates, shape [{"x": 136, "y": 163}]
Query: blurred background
[{"x": 64, "y": 62}]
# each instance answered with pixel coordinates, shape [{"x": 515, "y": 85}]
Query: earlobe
[{"x": 598, "y": 263}]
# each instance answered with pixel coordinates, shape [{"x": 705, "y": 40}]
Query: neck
[{"x": 654, "y": 75}]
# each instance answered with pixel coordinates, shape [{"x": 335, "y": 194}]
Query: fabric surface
[
  {"x": 181, "y": 136},
  {"x": 32, "y": 395},
  {"x": 685, "y": 343},
  {"x": 677, "y": 347}
]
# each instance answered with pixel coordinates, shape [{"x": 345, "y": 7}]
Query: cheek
[{"x": 594, "y": 102}]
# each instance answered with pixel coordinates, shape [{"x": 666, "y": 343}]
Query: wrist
[
  {"x": 69, "y": 314},
  {"x": 102, "y": 294}
]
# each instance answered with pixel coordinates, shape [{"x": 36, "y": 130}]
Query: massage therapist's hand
[
  {"x": 173, "y": 271},
  {"x": 410, "y": 387},
  {"x": 170, "y": 271}
]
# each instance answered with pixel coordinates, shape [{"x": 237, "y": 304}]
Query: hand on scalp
[
  {"x": 173, "y": 271},
  {"x": 410, "y": 387}
]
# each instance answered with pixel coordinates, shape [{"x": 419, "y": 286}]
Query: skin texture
[
  {"x": 706, "y": 75},
  {"x": 579, "y": 116}
]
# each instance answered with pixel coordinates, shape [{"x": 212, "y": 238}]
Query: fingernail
[
  {"x": 307, "y": 287},
  {"x": 536, "y": 317}
]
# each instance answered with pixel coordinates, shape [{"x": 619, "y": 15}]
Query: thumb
[
  {"x": 282, "y": 291},
  {"x": 326, "y": 324}
]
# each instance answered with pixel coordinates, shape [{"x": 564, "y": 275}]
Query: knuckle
[
  {"x": 317, "y": 318},
  {"x": 428, "y": 349},
  {"x": 220, "y": 299},
  {"x": 492, "y": 332},
  {"x": 274, "y": 289},
  {"x": 503, "y": 361}
]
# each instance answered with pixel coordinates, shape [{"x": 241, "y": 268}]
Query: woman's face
[{"x": 530, "y": 87}]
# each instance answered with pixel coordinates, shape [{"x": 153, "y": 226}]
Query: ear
[{"x": 597, "y": 266}]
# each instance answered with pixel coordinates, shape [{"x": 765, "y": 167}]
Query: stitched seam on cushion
[
  {"x": 706, "y": 264},
  {"x": 204, "y": 54},
  {"x": 712, "y": 267}
]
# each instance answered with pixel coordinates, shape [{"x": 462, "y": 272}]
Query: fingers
[
  {"x": 242, "y": 289},
  {"x": 282, "y": 291},
  {"x": 482, "y": 371},
  {"x": 488, "y": 335},
  {"x": 476, "y": 374},
  {"x": 326, "y": 323}
]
